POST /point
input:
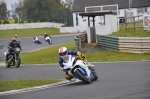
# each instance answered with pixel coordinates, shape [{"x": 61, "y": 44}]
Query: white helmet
[
  {"x": 15, "y": 35},
  {"x": 62, "y": 51},
  {"x": 44, "y": 33}
]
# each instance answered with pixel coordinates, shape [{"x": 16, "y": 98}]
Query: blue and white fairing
[{"x": 70, "y": 63}]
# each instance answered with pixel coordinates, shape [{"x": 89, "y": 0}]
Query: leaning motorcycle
[
  {"x": 48, "y": 39},
  {"x": 37, "y": 42},
  {"x": 78, "y": 69},
  {"x": 13, "y": 58}
]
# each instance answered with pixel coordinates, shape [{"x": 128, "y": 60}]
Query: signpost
[{"x": 146, "y": 22}]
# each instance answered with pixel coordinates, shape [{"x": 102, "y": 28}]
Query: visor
[{"x": 62, "y": 54}]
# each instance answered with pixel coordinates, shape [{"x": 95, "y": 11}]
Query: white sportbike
[
  {"x": 78, "y": 69},
  {"x": 48, "y": 39}
]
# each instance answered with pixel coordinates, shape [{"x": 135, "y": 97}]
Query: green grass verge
[
  {"x": 50, "y": 55},
  {"x": 45, "y": 56},
  {"x": 139, "y": 32},
  {"x": 13, "y": 85},
  {"x": 28, "y": 32},
  {"x": 112, "y": 56}
]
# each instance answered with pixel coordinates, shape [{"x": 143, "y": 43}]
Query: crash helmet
[
  {"x": 15, "y": 35},
  {"x": 44, "y": 33},
  {"x": 63, "y": 51},
  {"x": 14, "y": 40}
]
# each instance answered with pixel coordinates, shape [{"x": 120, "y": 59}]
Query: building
[{"x": 135, "y": 6}]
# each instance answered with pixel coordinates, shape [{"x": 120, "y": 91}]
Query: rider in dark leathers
[
  {"x": 45, "y": 35},
  {"x": 11, "y": 45}
]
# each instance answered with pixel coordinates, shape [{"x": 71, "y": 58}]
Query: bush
[{"x": 6, "y": 22}]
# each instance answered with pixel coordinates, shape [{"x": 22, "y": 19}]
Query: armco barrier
[
  {"x": 124, "y": 44},
  {"x": 107, "y": 42}
]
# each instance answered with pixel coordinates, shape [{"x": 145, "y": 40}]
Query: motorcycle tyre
[
  {"x": 48, "y": 41},
  {"x": 8, "y": 66},
  {"x": 81, "y": 77},
  {"x": 18, "y": 63},
  {"x": 95, "y": 76}
]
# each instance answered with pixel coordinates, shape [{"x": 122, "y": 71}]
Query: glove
[{"x": 83, "y": 56}]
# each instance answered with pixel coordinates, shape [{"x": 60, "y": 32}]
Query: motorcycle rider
[
  {"x": 63, "y": 51},
  {"x": 18, "y": 40},
  {"x": 36, "y": 39},
  {"x": 45, "y": 35},
  {"x": 11, "y": 45}
]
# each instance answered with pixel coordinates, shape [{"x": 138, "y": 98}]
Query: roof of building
[
  {"x": 96, "y": 13},
  {"x": 79, "y": 5}
]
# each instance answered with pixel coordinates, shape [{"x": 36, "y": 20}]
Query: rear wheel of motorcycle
[
  {"x": 83, "y": 78},
  {"x": 17, "y": 64},
  {"x": 7, "y": 65}
]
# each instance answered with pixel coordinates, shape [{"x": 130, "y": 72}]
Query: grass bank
[
  {"x": 45, "y": 56},
  {"x": 12, "y": 85},
  {"x": 138, "y": 32},
  {"x": 50, "y": 55},
  {"x": 28, "y": 32}
]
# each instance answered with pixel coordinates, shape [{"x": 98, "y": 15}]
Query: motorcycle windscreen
[{"x": 65, "y": 58}]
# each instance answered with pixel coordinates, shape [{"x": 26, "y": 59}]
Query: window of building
[
  {"x": 140, "y": 10},
  {"x": 145, "y": 9}
]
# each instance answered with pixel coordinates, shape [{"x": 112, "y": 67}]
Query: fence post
[{"x": 78, "y": 43}]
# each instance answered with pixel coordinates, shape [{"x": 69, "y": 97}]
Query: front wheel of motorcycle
[
  {"x": 82, "y": 77},
  {"x": 18, "y": 62}
]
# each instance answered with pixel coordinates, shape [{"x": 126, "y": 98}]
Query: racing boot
[{"x": 68, "y": 77}]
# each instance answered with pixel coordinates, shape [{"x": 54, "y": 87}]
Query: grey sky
[{"x": 9, "y": 2}]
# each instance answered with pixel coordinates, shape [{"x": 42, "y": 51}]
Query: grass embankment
[
  {"x": 28, "y": 32},
  {"x": 11, "y": 85},
  {"x": 45, "y": 56},
  {"x": 138, "y": 32},
  {"x": 50, "y": 55}
]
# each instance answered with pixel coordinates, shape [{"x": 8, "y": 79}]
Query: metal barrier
[
  {"x": 107, "y": 42},
  {"x": 80, "y": 41},
  {"x": 124, "y": 44}
]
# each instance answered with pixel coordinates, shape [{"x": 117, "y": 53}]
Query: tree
[
  {"x": 3, "y": 10},
  {"x": 20, "y": 11},
  {"x": 39, "y": 10}
]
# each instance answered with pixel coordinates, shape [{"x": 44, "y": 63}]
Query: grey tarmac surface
[
  {"x": 118, "y": 80},
  {"x": 28, "y": 45}
]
